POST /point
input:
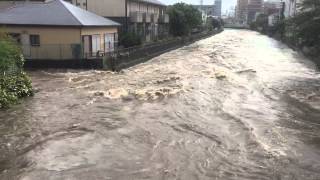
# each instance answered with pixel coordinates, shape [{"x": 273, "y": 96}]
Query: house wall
[
  {"x": 55, "y": 42},
  {"x": 99, "y": 31},
  {"x": 105, "y": 8}
]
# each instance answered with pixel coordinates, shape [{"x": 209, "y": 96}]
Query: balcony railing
[
  {"x": 147, "y": 17},
  {"x": 164, "y": 18},
  {"x": 136, "y": 17},
  {"x": 155, "y": 18}
]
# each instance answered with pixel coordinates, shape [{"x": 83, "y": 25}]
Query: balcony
[
  {"x": 136, "y": 17},
  {"x": 155, "y": 18},
  {"x": 146, "y": 17},
  {"x": 164, "y": 18}
]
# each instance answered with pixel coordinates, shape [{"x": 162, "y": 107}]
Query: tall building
[
  {"x": 147, "y": 18},
  {"x": 254, "y": 9},
  {"x": 241, "y": 11},
  {"x": 248, "y": 10},
  {"x": 217, "y": 8}
]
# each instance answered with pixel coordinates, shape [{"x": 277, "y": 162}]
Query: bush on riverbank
[{"x": 14, "y": 83}]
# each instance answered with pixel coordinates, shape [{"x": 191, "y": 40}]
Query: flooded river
[{"x": 238, "y": 106}]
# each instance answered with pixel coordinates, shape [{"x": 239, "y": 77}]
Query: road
[{"x": 238, "y": 106}]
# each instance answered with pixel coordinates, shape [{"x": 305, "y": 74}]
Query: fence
[
  {"x": 124, "y": 58},
  {"x": 52, "y": 51}
]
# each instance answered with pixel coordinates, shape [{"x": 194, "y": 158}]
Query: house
[
  {"x": 146, "y": 18},
  {"x": 56, "y": 30}
]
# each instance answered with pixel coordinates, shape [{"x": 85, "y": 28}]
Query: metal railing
[
  {"x": 52, "y": 51},
  {"x": 60, "y": 52}
]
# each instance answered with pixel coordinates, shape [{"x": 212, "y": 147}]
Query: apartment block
[{"x": 146, "y": 18}]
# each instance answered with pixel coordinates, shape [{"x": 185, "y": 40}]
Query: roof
[
  {"x": 51, "y": 13},
  {"x": 156, "y": 2}
]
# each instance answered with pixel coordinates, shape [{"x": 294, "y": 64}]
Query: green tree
[
  {"x": 261, "y": 23},
  {"x": 306, "y": 23},
  {"x": 129, "y": 39},
  {"x": 183, "y": 18}
]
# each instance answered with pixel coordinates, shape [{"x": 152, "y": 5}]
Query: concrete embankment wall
[{"x": 129, "y": 57}]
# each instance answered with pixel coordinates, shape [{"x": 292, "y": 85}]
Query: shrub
[
  {"x": 130, "y": 39},
  {"x": 14, "y": 83}
]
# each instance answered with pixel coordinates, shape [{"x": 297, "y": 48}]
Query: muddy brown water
[{"x": 238, "y": 105}]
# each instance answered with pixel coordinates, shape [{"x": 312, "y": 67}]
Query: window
[
  {"x": 34, "y": 40},
  {"x": 95, "y": 43},
  {"x": 111, "y": 41}
]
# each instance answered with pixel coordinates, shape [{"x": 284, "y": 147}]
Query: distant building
[
  {"x": 272, "y": 7},
  {"x": 254, "y": 9},
  {"x": 242, "y": 11},
  {"x": 57, "y": 30},
  {"x": 217, "y": 8},
  {"x": 206, "y": 11}
]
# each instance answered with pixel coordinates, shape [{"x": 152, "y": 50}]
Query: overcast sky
[{"x": 226, "y": 4}]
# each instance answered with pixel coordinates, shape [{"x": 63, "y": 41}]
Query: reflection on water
[{"x": 238, "y": 105}]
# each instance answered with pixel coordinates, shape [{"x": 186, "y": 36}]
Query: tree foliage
[
  {"x": 306, "y": 23},
  {"x": 183, "y": 18},
  {"x": 214, "y": 23},
  {"x": 14, "y": 83},
  {"x": 130, "y": 39},
  {"x": 261, "y": 23}
]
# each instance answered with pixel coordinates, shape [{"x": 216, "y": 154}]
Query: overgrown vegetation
[
  {"x": 306, "y": 24},
  {"x": 214, "y": 23},
  {"x": 261, "y": 23},
  {"x": 183, "y": 19},
  {"x": 14, "y": 83},
  {"x": 130, "y": 39}
]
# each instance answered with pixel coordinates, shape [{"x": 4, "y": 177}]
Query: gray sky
[{"x": 226, "y": 4}]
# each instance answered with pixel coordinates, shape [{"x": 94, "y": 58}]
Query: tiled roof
[{"x": 52, "y": 13}]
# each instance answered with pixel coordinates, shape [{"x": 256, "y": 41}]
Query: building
[
  {"x": 146, "y": 18},
  {"x": 291, "y": 7},
  {"x": 57, "y": 30},
  {"x": 254, "y": 9},
  {"x": 272, "y": 7},
  {"x": 217, "y": 8},
  {"x": 242, "y": 11},
  {"x": 206, "y": 11}
]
